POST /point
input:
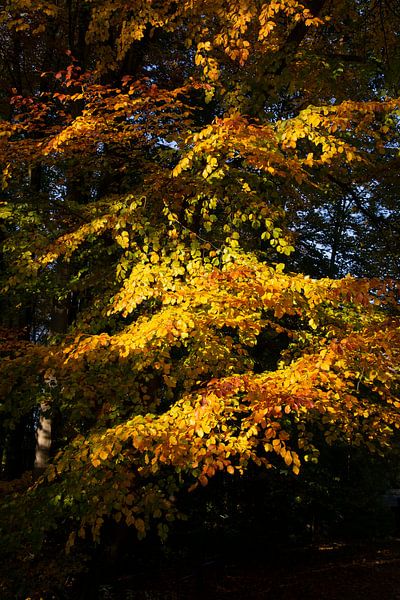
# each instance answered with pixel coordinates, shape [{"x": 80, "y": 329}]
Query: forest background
[{"x": 199, "y": 271}]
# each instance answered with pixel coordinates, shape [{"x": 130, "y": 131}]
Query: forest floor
[{"x": 339, "y": 571}]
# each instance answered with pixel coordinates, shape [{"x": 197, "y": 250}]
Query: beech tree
[{"x": 179, "y": 181}]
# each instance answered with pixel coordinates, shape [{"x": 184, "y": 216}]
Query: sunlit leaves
[
  {"x": 164, "y": 211},
  {"x": 222, "y": 422},
  {"x": 240, "y": 26}
]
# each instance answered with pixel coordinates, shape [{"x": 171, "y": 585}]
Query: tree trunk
[{"x": 43, "y": 441}]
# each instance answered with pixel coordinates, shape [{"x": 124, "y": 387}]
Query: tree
[{"x": 160, "y": 162}]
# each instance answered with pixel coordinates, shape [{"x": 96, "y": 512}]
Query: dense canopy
[{"x": 200, "y": 254}]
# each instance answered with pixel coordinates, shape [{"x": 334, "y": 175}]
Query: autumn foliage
[{"x": 156, "y": 160}]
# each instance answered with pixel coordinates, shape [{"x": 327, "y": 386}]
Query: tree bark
[{"x": 43, "y": 441}]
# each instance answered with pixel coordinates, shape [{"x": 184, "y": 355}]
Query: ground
[{"x": 345, "y": 571}]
